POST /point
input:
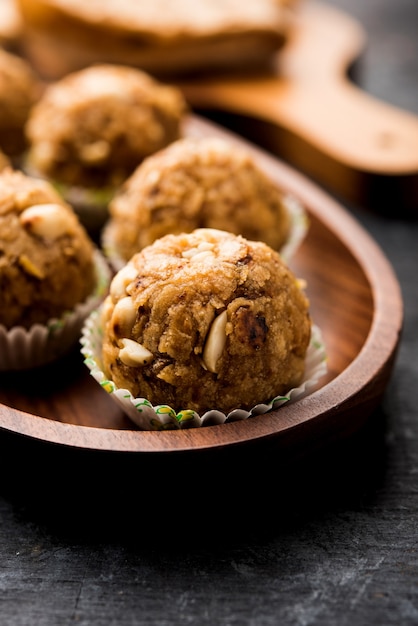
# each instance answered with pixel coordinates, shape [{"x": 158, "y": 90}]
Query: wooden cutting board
[{"x": 307, "y": 111}]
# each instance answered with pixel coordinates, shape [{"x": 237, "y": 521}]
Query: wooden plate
[{"x": 355, "y": 300}]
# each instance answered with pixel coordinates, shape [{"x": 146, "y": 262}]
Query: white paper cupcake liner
[
  {"x": 298, "y": 229},
  {"x": 22, "y": 348},
  {"x": 163, "y": 417}
]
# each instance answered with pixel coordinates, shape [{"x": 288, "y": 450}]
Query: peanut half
[
  {"x": 134, "y": 354},
  {"x": 49, "y": 221},
  {"x": 215, "y": 342},
  {"x": 121, "y": 280},
  {"x": 123, "y": 316}
]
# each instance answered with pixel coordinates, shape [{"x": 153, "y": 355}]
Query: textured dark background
[{"x": 336, "y": 543}]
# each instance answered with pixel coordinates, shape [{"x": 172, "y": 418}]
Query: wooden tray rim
[{"x": 375, "y": 354}]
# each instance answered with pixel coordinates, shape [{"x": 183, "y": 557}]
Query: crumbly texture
[
  {"x": 197, "y": 183},
  {"x": 93, "y": 127},
  {"x": 19, "y": 89},
  {"x": 162, "y": 36},
  {"x": 46, "y": 257},
  {"x": 215, "y": 321}
]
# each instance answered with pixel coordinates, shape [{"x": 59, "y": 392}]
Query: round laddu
[
  {"x": 206, "y": 320},
  {"x": 197, "y": 183},
  {"x": 46, "y": 257},
  {"x": 93, "y": 127}
]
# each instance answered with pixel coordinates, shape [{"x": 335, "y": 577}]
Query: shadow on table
[{"x": 91, "y": 498}]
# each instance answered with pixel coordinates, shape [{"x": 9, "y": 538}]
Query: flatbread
[{"x": 163, "y": 37}]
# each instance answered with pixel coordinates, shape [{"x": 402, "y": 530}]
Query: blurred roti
[{"x": 164, "y": 37}]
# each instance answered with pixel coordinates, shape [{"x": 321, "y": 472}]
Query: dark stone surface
[{"x": 332, "y": 542}]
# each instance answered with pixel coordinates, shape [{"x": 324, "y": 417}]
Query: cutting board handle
[{"x": 316, "y": 118}]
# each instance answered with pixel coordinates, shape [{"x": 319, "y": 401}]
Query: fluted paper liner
[
  {"x": 163, "y": 417},
  {"x": 22, "y": 348}
]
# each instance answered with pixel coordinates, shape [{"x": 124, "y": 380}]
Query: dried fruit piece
[{"x": 30, "y": 267}]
